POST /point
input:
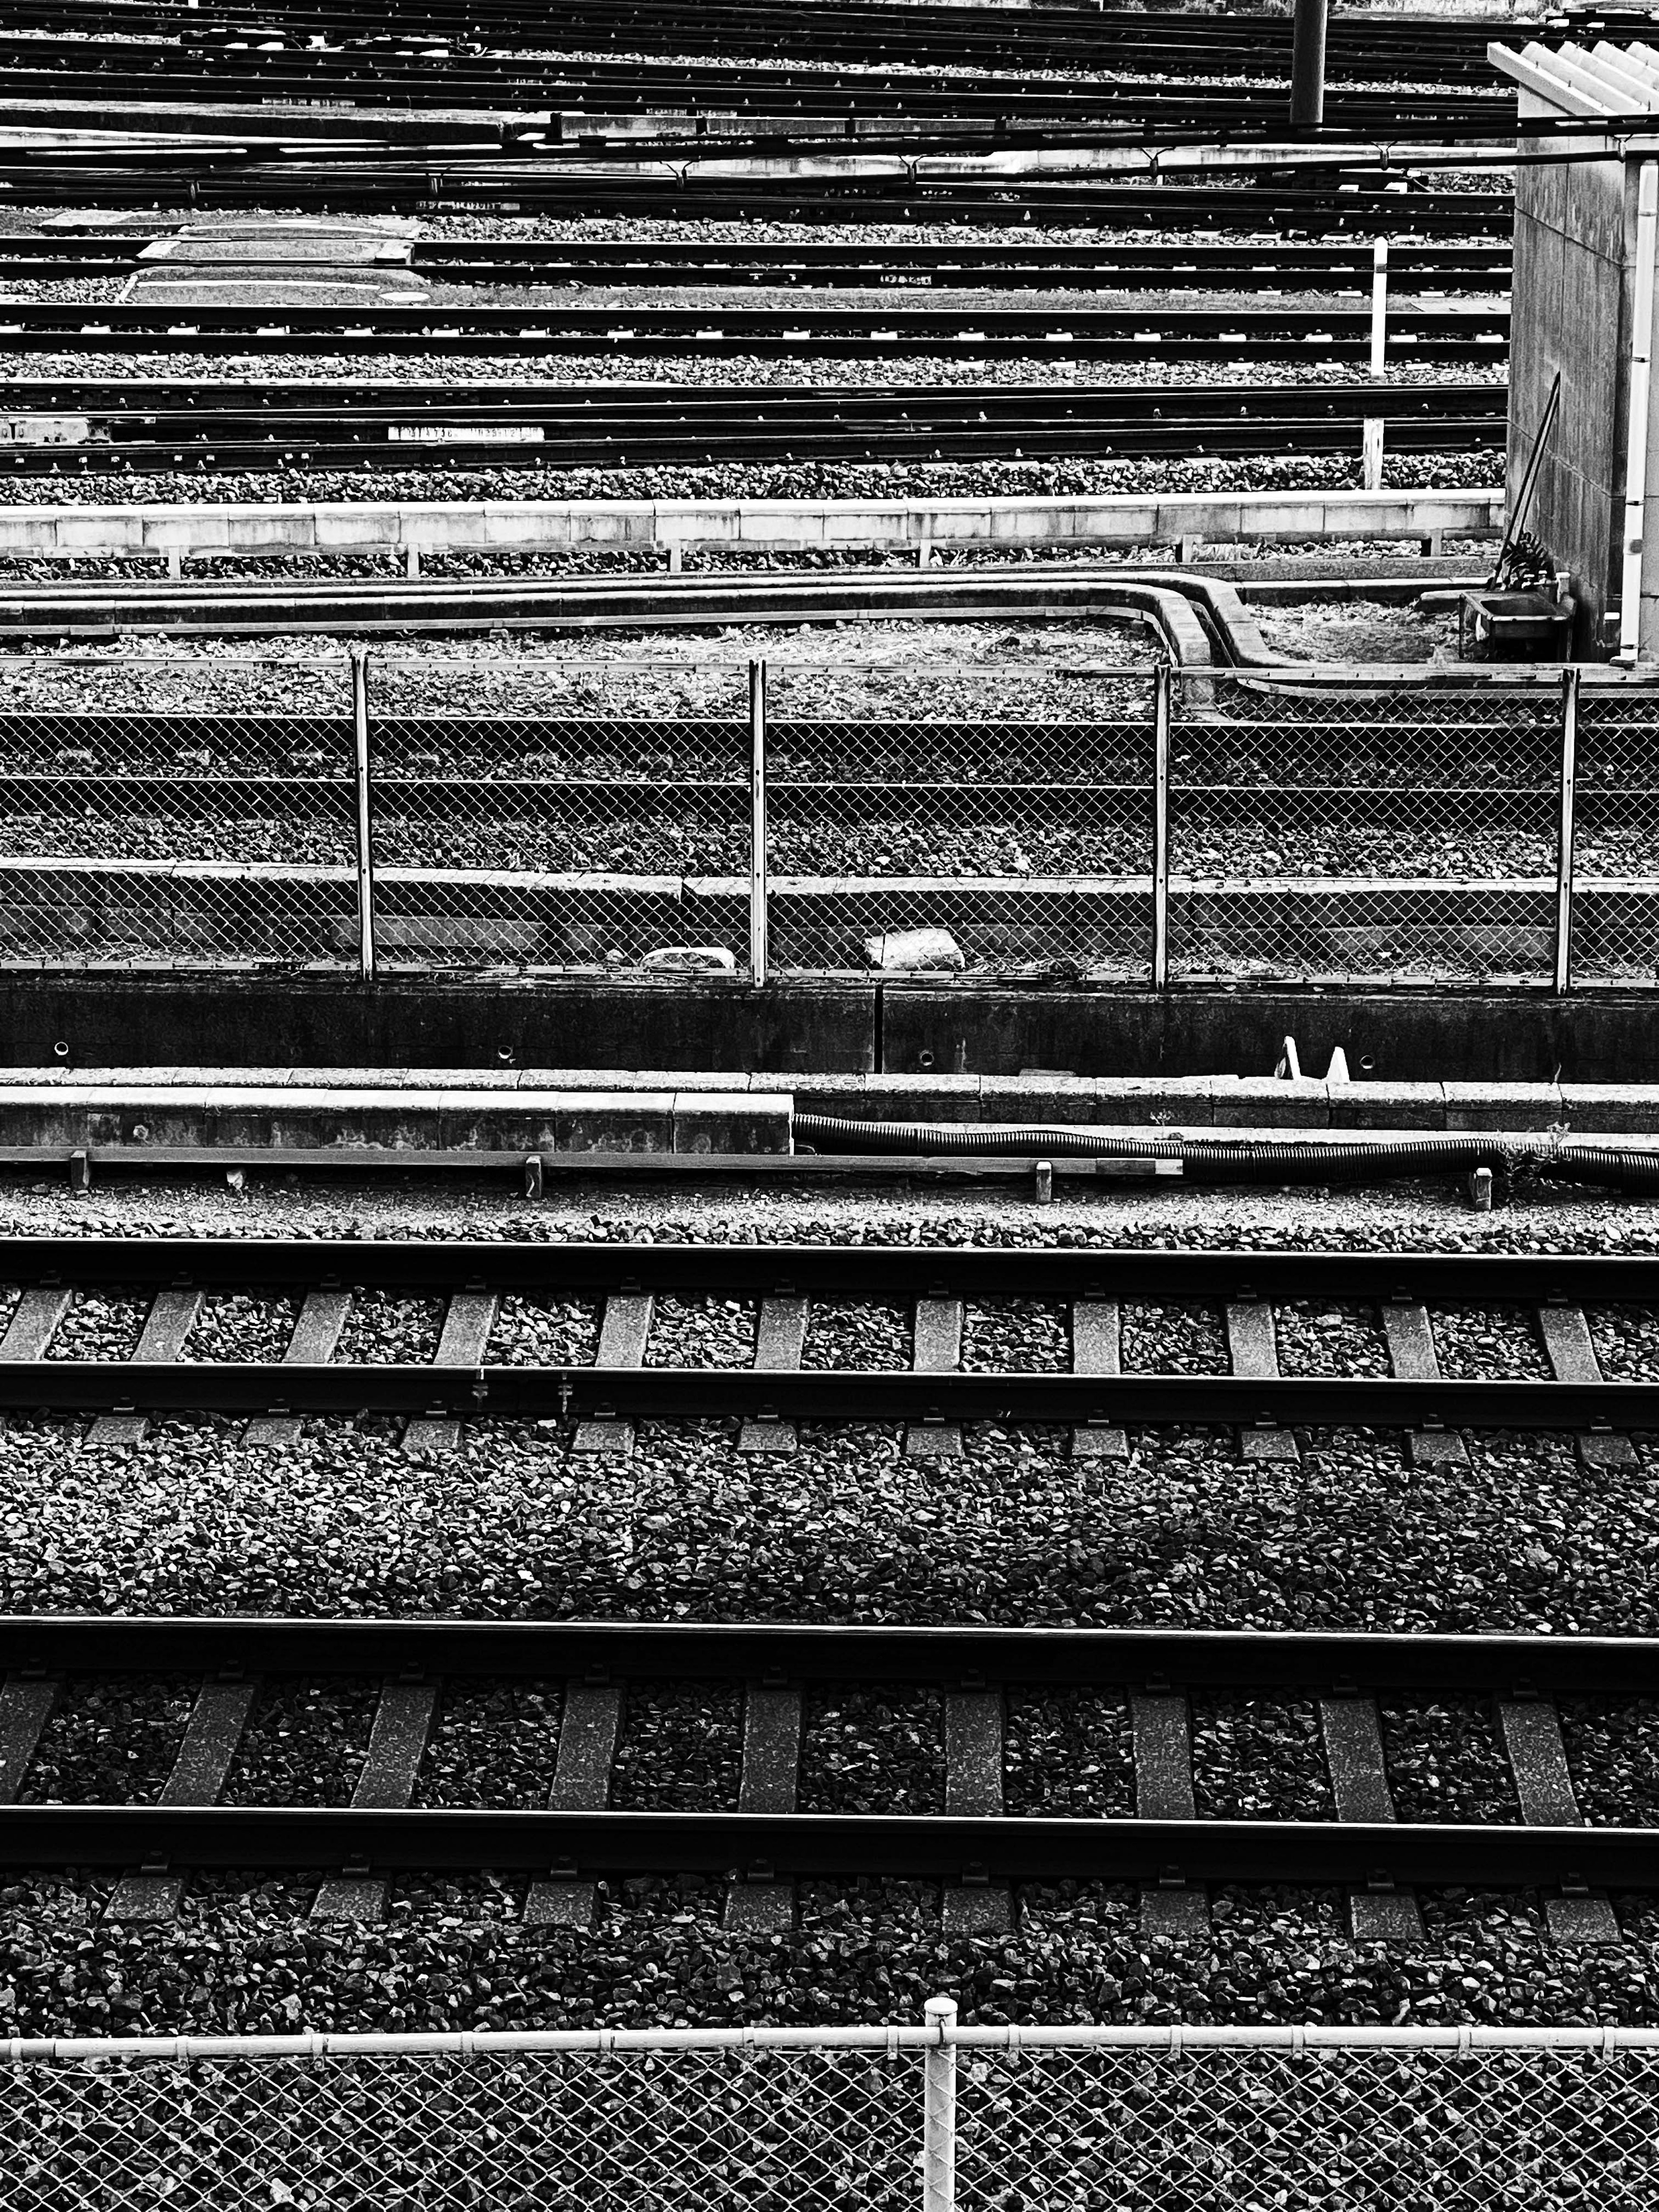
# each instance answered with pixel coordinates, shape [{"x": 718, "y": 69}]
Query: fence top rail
[{"x": 1175, "y": 2040}]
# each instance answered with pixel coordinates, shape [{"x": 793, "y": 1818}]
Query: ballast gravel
[
  {"x": 1613, "y": 1756},
  {"x": 701, "y": 1333},
  {"x": 382, "y": 1329},
  {"x": 680, "y": 1749},
  {"x": 305, "y": 1744},
  {"x": 1496, "y": 1343},
  {"x": 1446, "y": 1761},
  {"x": 1022, "y": 1334},
  {"x": 1068, "y": 1753},
  {"x": 872, "y": 1750},
  {"x": 1173, "y": 1340},
  {"x": 1258, "y": 1759},
  {"x": 1314, "y": 1338},
  {"x": 531, "y": 1332},
  {"x": 244, "y": 1958},
  {"x": 99, "y": 1325},
  {"x": 111, "y": 1739},
  {"x": 495, "y": 1742},
  {"x": 233, "y": 1326}
]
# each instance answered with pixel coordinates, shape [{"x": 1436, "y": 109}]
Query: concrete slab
[{"x": 1502, "y": 1105}]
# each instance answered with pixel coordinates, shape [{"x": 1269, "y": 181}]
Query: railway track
[
  {"x": 933, "y": 1396},
  {"x": 1045, "y": 38},
  {"x": 1208, "y": 263},
  {"x": 1420, "y": 335},
  {"x": 231, "y": 179},
  {"x": 981, "y": 1829},
  {"x": 143, "y": 427}
]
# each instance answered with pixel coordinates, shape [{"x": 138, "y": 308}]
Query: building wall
[{"x": 1574, "y": 250}]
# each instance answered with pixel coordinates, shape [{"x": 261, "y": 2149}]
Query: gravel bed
[
  {"x": 1626, "y": 1341},
  {"x": 1610, "y": 1755},
  {"x": 680, "y": 1749},
  {"x": 845, "y": 1528},
  {"x": 1376, "y": 630},
  {"x": 1068, "y": 1753},
  {"x": 668, "y": 230},
  {"x": 1083, "y": 477},
  {"x": 1175, "y": 1340},
  {"x": 701, "y": 1333},
  {"x": 100, "y": 1325},
  {"x": 382, "y": 1329},
  {"x": 112, "y": 1740},
  {"x": 305, "y": 1744},
  {"x": 1023, "y": 1334},
  {"x": 232, "y": 1326},
  {"x": 1259, "y": 1759},
  {"x": 846, "y": 1334},
  {"x": 552, "y": 1332},
  {"x": 1490, "y": 1344},
  {"x": 872, "y": 1750},
  {"x": 1317, "y": 1338},
  {"x": 496, "y": 1743},
  {"x": 1446, "y": 1760},
  {"x": 243, "y": 1957}
]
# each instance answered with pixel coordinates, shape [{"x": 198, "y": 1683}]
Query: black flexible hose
[{"x": 1221, "y": 1159}]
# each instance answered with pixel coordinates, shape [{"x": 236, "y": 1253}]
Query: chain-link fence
[
  {"x": 586, "y": 811},
  {"x": 1359, "y": 827},
  {"x": 164, "y": 811},
  {"x": 565, "y": 814},
  {"x": 870, "y": 2119},
  {"x": 1007, "y": 814}
]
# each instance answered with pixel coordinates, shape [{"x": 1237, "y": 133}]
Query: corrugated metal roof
[{"x": 1599, "y": 81}]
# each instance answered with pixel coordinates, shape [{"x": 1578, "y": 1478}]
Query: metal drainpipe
[{"x": 1641, "y": 382}]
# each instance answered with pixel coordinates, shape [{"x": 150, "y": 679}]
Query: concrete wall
[
  {"x": 912, "y": 1029},
  {"x": 353, "y": 526}
]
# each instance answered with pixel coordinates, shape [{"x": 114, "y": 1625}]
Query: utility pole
[{"x": 1307, "y": 66}]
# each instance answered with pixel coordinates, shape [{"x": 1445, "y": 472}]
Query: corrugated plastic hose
[{"x": 1220, "y": 1159}]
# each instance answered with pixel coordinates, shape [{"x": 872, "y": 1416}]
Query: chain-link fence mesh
[
  {"x": 1368, "y": 829},
  {"x": 164, "y": 811},
  {"x": 1008, "y": 813},
  {"x": 558, "y": 813},
  {"x": 1616, "y": 928},
  {"x": 1400, "y": 2129},
  {"x": 581, "y": 810},
  {"x": 875, "y": 2121}
]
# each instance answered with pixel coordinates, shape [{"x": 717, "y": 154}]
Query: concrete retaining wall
[{"x": 533, "y": 525}]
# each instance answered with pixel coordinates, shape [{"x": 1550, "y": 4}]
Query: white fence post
[
  {"x": 364, "y": 818},
  {"x": 1162, "y": 683},
  {"x": 939, "y": 2143},
  {"x": 758, "y": 890},
  {"x": 1372, "y": 462},
  {"x": 1565, "y": 830}
]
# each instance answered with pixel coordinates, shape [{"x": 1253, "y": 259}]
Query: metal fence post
[
  {"x": 365, "y": 813},
  {"x": 758, "y": 916},
  {"x": 1565, "y": 830},
  {"x": 938, "y": 2142},
  {"x": 1162, "y": 683}
]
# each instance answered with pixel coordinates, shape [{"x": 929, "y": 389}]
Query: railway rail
[
  {"x": 936, "y": 1395},
  {"x": 1206, "y": 264},
  {"x": 228, "y": 179},
  {"x": 970, "y": 1842},
  {"x": 1416, "y": 334},
  {"x": 142, "y": 427},
  {"x": 1046, "y": 38}
]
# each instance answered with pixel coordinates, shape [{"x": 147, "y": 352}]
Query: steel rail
[
  {"x": 540, "y": 1394},
  {"x": 1331, "y": 1661},
  {"x": 882, "y": 1273},
  {"x": 1069, "y": 332},
  {"x": 238, "y": 180},
  {"x": 1042, "y": 38},
  {"x": 1215, "y": 264},
  {"x": 916, "y": 1847}
]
